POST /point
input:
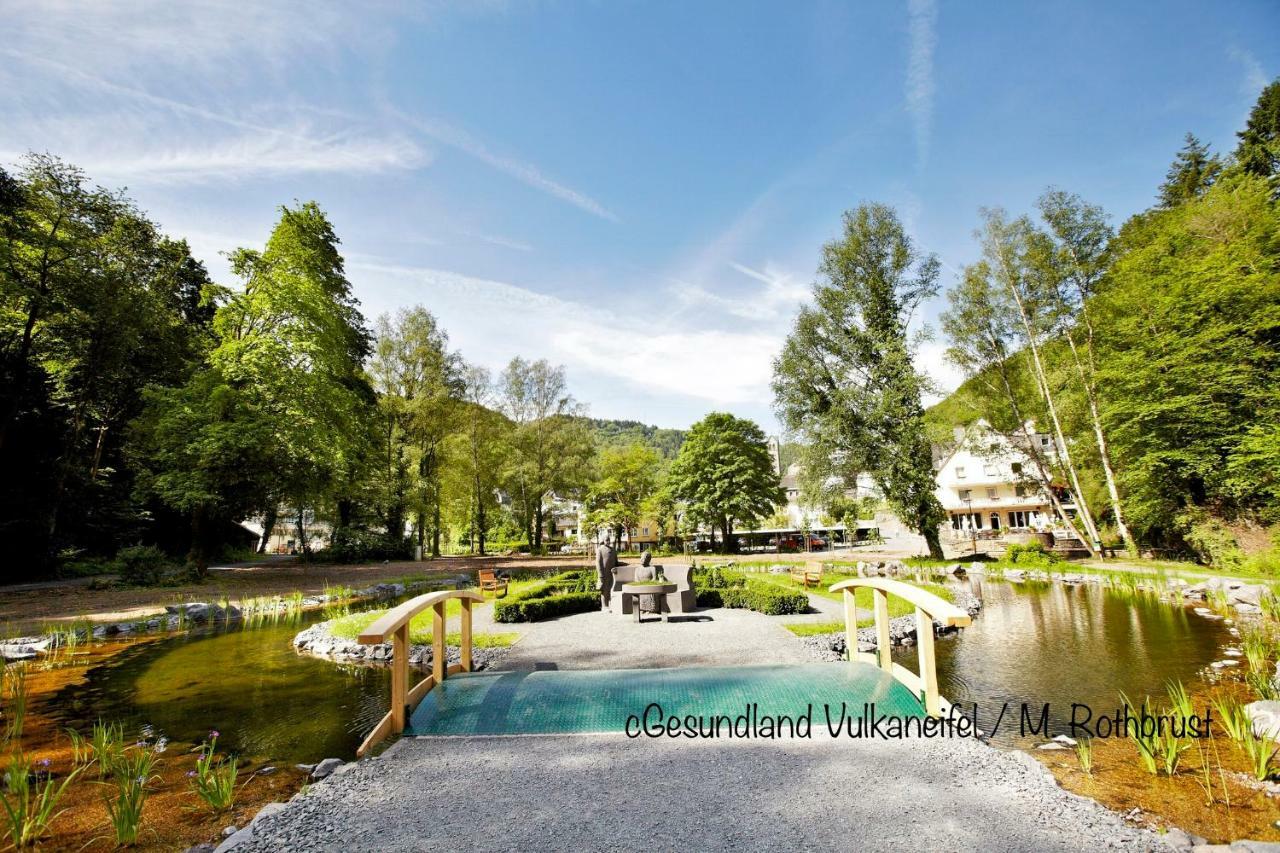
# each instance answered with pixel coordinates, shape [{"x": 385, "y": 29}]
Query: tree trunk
[
  {"x": 934, "y": 541},
  {"x": 198, "y": 556},
  {"x": 435, "y": 528},
  {"x": 538, "y": 520},
  {"x": 1113, "y": 492},
  {"x": 268, "y": 524},
  {"x": 730, "y": 543},
  {"x": 480, "y": 521},
  {"x": 303, "y": 545},
  {"x": 1042, "y": 381}
]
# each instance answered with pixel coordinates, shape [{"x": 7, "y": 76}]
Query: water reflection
[{"x": 1041, "y": 642}]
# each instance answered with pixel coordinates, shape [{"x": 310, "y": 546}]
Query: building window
[
  {"x": 991, "y": 494},
  {"x": 955, "y": 521},
  {"x": 646, "y": 531},
  {"x": 959, "y": 472},
  {"x": 995, "y": 521},
  {"x": 965, "y": 494},
  {"x": 990, "y": 470},
  {"x": 1016, "y": 468},
  {"x": 1020, "y": 491}
]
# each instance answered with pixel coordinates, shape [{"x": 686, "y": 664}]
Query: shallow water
[
  {"x": 1037, "y": 642},
  {"x": 249, "y": 684},
  {"x": 1032, "y": 643}
]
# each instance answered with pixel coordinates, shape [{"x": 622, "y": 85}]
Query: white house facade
[{"x": 988, "y": 487}]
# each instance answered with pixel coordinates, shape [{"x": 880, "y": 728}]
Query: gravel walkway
[
  {"x": 600, "y": 640},
  {"x": 605, "y": 792}
]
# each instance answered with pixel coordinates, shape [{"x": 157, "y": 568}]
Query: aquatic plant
[
  {"x": 107, "y": 744},
  {"x": 1084, "y": 754},
  {"x": 31, "y": 797},
  {"x": 1270, "y": 604},
  {"x": 214, "y": 779},
  {"x": 1148, "y": 744},
  {"x": 1231, "y": 715},
  {"x": 132, "y": 771},
  {"x": 1260, "y": 750},
  {"x": 1265, "y": 687},
  {"x": 13, "y": 700},
  {"x": 1180, "y": 700},
  {"x": 1255, "y": 647}
]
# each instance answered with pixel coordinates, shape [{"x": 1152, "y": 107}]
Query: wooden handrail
[
  {"x": 395, "y": 624},
  {"x": 929, "y": 608}
]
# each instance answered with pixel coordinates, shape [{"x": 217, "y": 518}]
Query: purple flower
[
  {"x": 213, "y": 733},
  {"x": 142, "y": 780},
  {"x": 190, "y": 773},
  {"x": 45, "y": 762}
]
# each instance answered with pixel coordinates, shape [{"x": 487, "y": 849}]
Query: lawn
[{"x": 420, "y": 629}]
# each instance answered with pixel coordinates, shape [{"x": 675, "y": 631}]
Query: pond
[
  {"x": 248, "y": 683},
  {"x": 1050, "y": 642},
  {"x": 1032, "y": 643}
]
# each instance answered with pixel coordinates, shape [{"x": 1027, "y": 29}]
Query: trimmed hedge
[
  {"x": 562, "y": 595},
  {"x": 735, "y": 591}
]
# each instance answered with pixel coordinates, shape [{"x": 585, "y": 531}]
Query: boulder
[
  {"x": 1265, "y": 717},
  {"x": 325, "y": 768}
]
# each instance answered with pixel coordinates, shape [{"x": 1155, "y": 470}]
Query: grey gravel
[{"x": 593, "y": 792}]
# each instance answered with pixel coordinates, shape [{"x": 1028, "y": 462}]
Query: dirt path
[{"x": 28, "y": 607}]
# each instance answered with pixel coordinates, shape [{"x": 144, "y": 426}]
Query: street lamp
[{"x": 973, "y": 527}]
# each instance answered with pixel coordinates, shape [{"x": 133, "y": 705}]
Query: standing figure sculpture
[{"x": 605, "y": 561}]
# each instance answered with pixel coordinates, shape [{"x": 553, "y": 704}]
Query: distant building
[{"x": 988, "y": 484}]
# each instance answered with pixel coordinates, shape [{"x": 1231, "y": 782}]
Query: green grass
[
  {"x": 420, "y": 629},
  {"x": 811, "y": 629}
]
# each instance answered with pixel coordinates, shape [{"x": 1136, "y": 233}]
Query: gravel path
[
  {"x": 605, "y": 792},
  {"x": 600, "y": 640}
]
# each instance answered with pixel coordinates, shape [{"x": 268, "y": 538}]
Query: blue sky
[{"x": 638, "y": 191}]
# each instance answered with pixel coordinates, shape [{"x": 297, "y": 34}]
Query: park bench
[
  {"x": 806, "y": 576},
  {"x": 491, "y": 581}
]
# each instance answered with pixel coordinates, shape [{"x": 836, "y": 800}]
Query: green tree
[
  {"x": 552, "y": 447},
  {"x": 290, "y": 346},
  {"x": 1192, "y": 172},
  {"x": 1259, "y": 150},
  {"x": 725, "y": 475},
  {"x": 629, "y": 478},
  {"x": 1016, "y": 252},
  {"x": 845, "y": 382},
  {"x": 1189, "y": 319},
  {"x": 95, "y": 305},
  {"x": 981, "y": 325},
  {"x": 480, "y": 450},
  {"x": 1077, "y": 257},
  {"x": 419, "y": 383}
]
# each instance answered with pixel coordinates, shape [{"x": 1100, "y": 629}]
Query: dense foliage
[
  {"x": 845, "y": 380},
  {"x": 1162, "y": 363}
]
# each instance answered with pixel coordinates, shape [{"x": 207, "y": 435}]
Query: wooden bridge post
[
  {"x": 928, "y": 668},
  {"x": 850, "y": 625},
  {"x": 884, "y": 644},
  {"x": 399, "y": 678},
  {"x": 439, "y": 663},
  {"x": 466, "y": 635}
]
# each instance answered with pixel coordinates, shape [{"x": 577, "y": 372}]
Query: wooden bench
[
  {"x": 806, "y": 576},
  {"x": 490, "y": 581}
]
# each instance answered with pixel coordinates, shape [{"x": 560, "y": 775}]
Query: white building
[{"x": 988, "y": 484}]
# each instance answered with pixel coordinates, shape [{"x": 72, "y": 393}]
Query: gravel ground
[
  {"x": 605, "y": 792},
  {"x": 714, "y": 637}
]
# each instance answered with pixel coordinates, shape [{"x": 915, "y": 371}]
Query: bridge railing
[
  {"x": 395, "y": 624},
  {"x": 929, "y": 608}
]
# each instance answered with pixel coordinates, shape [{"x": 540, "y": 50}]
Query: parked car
[{"x": 793, "y": 544}]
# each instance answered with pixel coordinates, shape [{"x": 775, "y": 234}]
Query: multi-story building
[{"x": 988, "y": 485}]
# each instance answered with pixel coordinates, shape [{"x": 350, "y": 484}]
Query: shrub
[
  {"x": 350, "y": 545},
  {"x": 1211, "y": 540},
  {"x": 742, "y": 594},
  {"x": 562, "y": 595},
  {"x": 141, "y": 565},
  {"x": 1031, "y": 554}
]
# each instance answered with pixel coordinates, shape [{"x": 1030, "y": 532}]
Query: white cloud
[
  {"x": 504, "y": 242},
  {"x": 922, "y": 30},
  {"x": 502, "y": 320},
  {"x": 1255, "y": 77},
  {"x": 526, "y": 173},
  {"x": 775, "y": 303}
]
